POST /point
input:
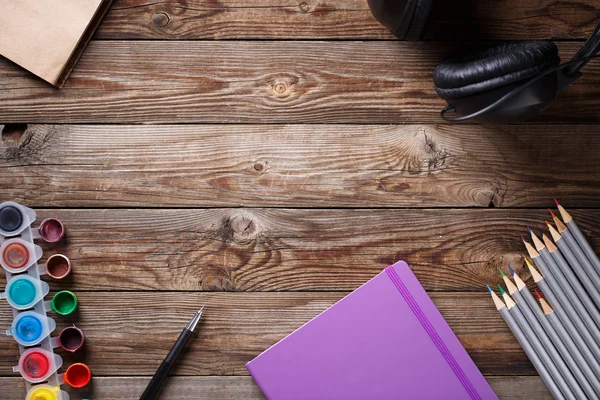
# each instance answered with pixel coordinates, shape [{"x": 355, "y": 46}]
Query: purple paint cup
[
  {"x": 58, "y": 266},
  {"x": 52, "y": 230},
  {"x": 71, "y": 338}
]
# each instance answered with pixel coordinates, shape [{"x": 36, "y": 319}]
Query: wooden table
[{"x": 270, "y": 172}]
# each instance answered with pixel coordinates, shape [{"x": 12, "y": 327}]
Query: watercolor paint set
[{"x": 25, "y": 292}]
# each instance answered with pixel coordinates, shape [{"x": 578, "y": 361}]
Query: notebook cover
[
  {"x": 46, "y": 37},
  {"x": 385, "y": 340}
]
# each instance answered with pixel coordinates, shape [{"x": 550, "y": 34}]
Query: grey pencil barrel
[
  {"x": 584, "y": 244},
  {"x": 558, "y": 326},
  {"x": 579, "y": 254},
  {"x": 531, "y": 354},
  {"x": 590, "y": 281},
  {"x": 569, "y": 301},
  {"x": 576, "y": 293},
  {"x": 561, "y": 382},
  {"x": 576, "y": 363},
  {"x": 580, "y": 335}
]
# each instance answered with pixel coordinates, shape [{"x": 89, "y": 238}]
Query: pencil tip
[
  {"x": 201, "y": 308},
  {"x": 512, "y": 271},
  {"x": 501, "y": 290},
  {"x": 523, "y": 239},
  {"x": 539, "y": 296},
  {"x": 556, "y": 202},
  {"x": 489, "y": 288},
  {"x": 530, "y": 231},
  {"x": 501, "y": 272}
]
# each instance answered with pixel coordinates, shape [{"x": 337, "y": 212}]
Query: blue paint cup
[{"x": 30, "y": 328}]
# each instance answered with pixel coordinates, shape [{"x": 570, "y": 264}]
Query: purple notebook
[{"x": 385, "y": 340}]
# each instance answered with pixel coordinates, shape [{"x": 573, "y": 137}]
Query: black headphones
[{"x": 500, "y": 85}]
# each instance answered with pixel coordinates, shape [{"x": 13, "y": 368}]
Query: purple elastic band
[{"x": 432, "y": 333}]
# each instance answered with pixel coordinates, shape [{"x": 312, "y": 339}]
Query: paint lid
[
  {"x": 51, "y": 230},
  {"x": 30, "y": 328},
  {"x": 78, "y": 375},
  {"x": 14, "y": 218},
  {"x": 71, "y": 338},
  {"x": 23, "y": 292},
  {"x": 64, "y": 302},
  {"x": 58, "y": 266},
  {"x": 46, "y": 392},
  {"x": 17, "y": 255},
  {"x": 37, "y": 364}
]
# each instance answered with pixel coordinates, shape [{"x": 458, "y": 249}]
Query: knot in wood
[
  {"x": 239, "y": 228},
  {"x": 279, "y": 87},
  {"x": 304, "y": 7},
  {"x": 260, "y": 166},
  {"x": 161, "y": 19}
]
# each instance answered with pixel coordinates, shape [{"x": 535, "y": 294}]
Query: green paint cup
[{"x": 64, "y": 302}]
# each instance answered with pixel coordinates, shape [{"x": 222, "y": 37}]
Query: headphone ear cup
[
  {"x": 493, "y": 68},
  {"x": 418, "y": 25}
]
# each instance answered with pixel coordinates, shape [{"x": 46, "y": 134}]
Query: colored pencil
[
  {"x": 587, "y": 276},
  {"x": 574, "y": 325},
  {"x": 526, "y": 346},
  {"x": 561, "y": 265},
  {"x": 584, "y": 377},
  {"x": 579, "y": 238},
  {"x": 574, "y": 353},
  {"x": 562, "y": 289},
  {"x": 538, "y": 347},
  {"x": 574, "y": 247}
]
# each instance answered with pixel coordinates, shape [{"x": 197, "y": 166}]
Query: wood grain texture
[
  {"x": 343, "y": 19},
  {"x": 292, "y": 250},
  {"x": 300, "y": 166},
  {"x": 123, "y": 328},
  {"x": 242, "y": 387},
  {"x": 256, "y": 82}
]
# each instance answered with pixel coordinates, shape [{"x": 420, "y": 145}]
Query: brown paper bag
[{"x": 47, "y": 37}]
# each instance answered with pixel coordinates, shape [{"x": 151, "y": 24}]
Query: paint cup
[
  {"x": 36, "y": 364},
  {"x": 78, "y": 375},
  {"x": 58, "y": 266},
  {"x": 51, "y": 230},
  {"x": 71, "y": 338},
  {"x": 23, "y": 292},
  {"x": 14, "y": 218},
  {"x": 46, "y": 392},
  {"x": 17, "y": 255},
  {"x": 30, "y": 328},
  {"x": 64, "y": 302}
]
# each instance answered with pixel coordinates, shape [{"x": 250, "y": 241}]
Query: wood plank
[
  {"x": 256, "y": 82},
  {"x": 300, "y": 165},
  {"x": 123, "y": 328},
  {"x": 343, "y": 19},
  {"x": 243, "y": 387},
  {"x": 298, "y": 250}
]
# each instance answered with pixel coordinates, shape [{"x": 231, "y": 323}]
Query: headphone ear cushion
[
  {"x": 492, "y": 68},
  {"x": 416, "y": 30}
]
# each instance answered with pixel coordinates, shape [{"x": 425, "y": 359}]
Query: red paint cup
[
  {"x": 52, "y": 230},
  {"x": 58, "y": 266},
  {"x": 78, "y": 375},
  {"x": 71, "y": 338}
]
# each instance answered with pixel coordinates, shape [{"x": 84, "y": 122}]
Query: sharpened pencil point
[
  {"x": 501, "y": 272},
  {"x": 556, "y": 202},
  {"x": 512, "y": 271},
  {"x": 501, "y": 290},
  {"x": 489, "y": 288},
  {"x": 530, "y": 231},
  {"x": 552, "y": 214},
  {"x": 539, "y": 296}
]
